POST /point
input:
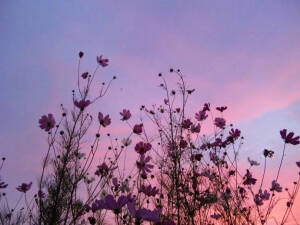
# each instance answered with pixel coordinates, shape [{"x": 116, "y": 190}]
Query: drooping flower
[
  {"x": 195, "y": 128},
  {"x": 47, "y": 122},
  {"x": 138, "y": 128},
  {"x": 144, "y": 166},
  {"x": 220, "y": 122},
  {"x": 276, "y": 186},
  {"x": 82, "y": 104},
  {"x": 222, "y": 108},
  {"x": 201, "y": 115},
  {"x": 104, "y": 120},
  {"x": 142, "y": 147},
  {"x": 252, "y": 162},
  {"x": 248, "y": 179},
  {"x": 125, "y": 114},
  {"x": 289, "y": 138},
  {"x": 149, "y": 190},
  {"x": 102, "y": 62},
  {"x": 145, "y": 214},
  {"x": 24, "y": 187}
]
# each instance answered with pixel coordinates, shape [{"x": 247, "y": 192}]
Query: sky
[{"x": 242, "y": 54}]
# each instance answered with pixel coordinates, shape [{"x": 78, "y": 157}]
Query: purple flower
[
  {"x": 142, "y": 147},
  {"x": 24, "y": 187},
  {"x": 3, "y": 185},
  {"x": 195, "y": 128},
  {"x": 276, "y": 186},
  {"x": 145, "y": 214},
  {"x": 104, "y": 120},
  {"x": 186, "y": 124},
  {"x": 82, "y": 104},
  {"x": 110, "y": 203},
  {"x": 222, "y": 108},
  {"x": 144, "y": 166},
  {"x": 102, "y": 62},
  {"x": 248, "y": 179},
  {"x": 234, "y": 133},
  {"x": 125, "y": 114},
  {"x": 149, "y": 190},
  {"x": 206, "y": 107},
  {"x": 47, "y": 122},
  {"x": 298, "y": 164},
  {"x": 220, "y": 122},
  {"x": 138, "y": 128},
  {"x": 201, "y": 115},
  {"x": 103, "y": 169},
  {"x": 289, "y": 138}
]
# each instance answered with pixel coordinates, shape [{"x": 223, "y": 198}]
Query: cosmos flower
[
  {"x": 201, "y": 115},
  {"x": 104, "y": 120},
  {"x": 222, "y": 108},
  {"x": 110, "y": 203},
  {"x": 102, "y": 62},
  {"x": 145, "y": 214},
  {"x": 142, "y": 147},
  {"x": 276, "y": 186},
  {"x": 186, "y": 124},
  {"x": 149, "y": 190},
  {"x": 24, "y": 187},
  {"x": 220, "y": 122},
  {"x": 138, "y": 128},
  {"x": 47, "y": 122},
  {"x": 82, "y": 104},
  {"x": 234, "y": 133},
  {"x": 144, "y": 166},
  {"x": 195, "y": 128},
  {"x": 125, "y": 114},
  {"x": 289, "y": 138},
  {"x": 248, "y": 179},
  {"x": 252, "y": 162}
]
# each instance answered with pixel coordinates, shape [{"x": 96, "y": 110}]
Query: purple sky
[{"x": 243, "y": 54}]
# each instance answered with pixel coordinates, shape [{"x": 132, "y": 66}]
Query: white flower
[{"x": 252, "y": 162}]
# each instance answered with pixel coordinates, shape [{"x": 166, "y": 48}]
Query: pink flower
[
  {"x": 47, "y": 122},
  {"x": 144, "y": 166},
  {"x": 248, "y": 179},
  {"x": 186, "y": 124},
  {"x": 102, "y": 62},
  {"x": 125, "y": 114},
  {"x": 201, "y": 115},
  {"x": 142, "y": 147},
  {"x": 149, "y": 190},
  {"x": 143, "y": 213},
  {"x": 289, "y": 138},
  {"x": 104, "y": 120},
  {"x": 222, "y": 108},
  {"x": 82, "y": 104},
  {"x": 195, "y": 128},
  {"x": 276, "y": 186},
  {"x": 220, "y": 122},
  {"x": 24, "y": 187},
  {"x": 138, "y": 128}
]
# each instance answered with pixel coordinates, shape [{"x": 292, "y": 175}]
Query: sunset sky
[{"x": 242, "y": 54}]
